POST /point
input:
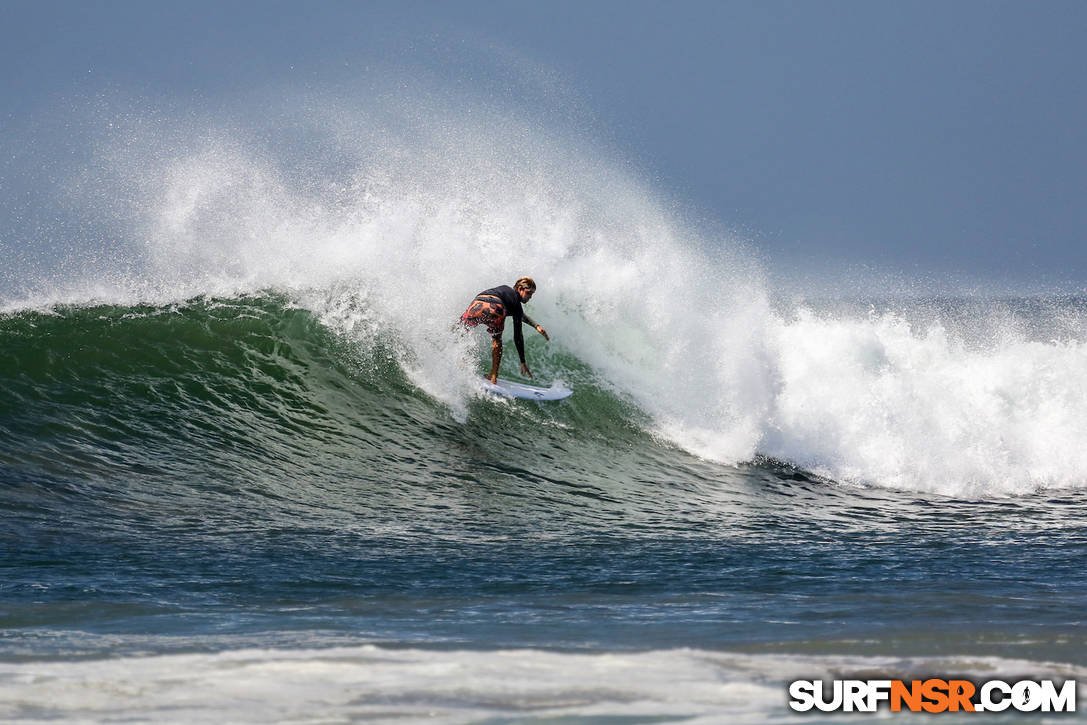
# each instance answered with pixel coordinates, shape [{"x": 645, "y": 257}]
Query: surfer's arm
[
  {"x": 537, "y": 327},
  {"x": 519, "y": 340}
]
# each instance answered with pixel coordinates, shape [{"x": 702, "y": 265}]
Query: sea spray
[
  {"x": 383, "y": 221},
  {"x": 390, "y": 235},
  {"x": 877, "y": 400}
]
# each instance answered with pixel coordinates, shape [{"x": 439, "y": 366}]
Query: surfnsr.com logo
[{"x": 932, "y": 695}]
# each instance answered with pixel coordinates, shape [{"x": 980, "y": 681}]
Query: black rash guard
[{"x": 511, "y": 302}]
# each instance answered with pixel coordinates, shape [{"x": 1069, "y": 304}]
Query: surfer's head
[{"x": 525, "y": 287}]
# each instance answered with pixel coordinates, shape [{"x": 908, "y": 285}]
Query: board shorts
[{"x": 488, "y": 311}]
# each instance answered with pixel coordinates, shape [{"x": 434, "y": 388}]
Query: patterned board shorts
[{"x": 488, "y": 311}]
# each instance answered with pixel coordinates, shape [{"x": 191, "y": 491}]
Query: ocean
[
  {"x": 248, "y": 473},
  {"x": 225, "y": 510}
]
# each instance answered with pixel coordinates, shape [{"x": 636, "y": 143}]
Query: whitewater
[
  {"x": 248, "y": 473},
  {"x": 386, "y": 237}
]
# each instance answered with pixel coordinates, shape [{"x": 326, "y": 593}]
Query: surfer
[{"x": 492, "y": 307}]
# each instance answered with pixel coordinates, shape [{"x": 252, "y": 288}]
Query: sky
[{"x": 921, "y": 138}]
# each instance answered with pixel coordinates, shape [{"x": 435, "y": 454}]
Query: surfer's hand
[
  {"x": 525, "y": 371},
  {"x": 543, "y": 332},
  {"x": 493, "y": 379}
]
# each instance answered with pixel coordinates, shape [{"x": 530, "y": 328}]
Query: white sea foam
[
  {"x": 877, "y": 400},
  {"x": 413, "y": 685},
  {"x": 386, "y": 222}
]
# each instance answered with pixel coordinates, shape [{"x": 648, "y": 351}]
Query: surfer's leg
[
  {"x": 495, "y": 323},
  {"x": 496, "y": 357},
  {"x": 492, "y": 314}
]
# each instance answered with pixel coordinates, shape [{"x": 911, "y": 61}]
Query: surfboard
[{"x": 510, "y": 389}]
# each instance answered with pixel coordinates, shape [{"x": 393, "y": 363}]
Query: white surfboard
[{"x": 510, "y": 389}]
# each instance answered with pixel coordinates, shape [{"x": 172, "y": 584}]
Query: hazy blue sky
[{"x": 921, "y": 136}]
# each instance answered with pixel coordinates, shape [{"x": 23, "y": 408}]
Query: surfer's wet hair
[{"x": 524, "y": 283}]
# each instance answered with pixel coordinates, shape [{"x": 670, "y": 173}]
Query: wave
[
  {"x": 989, "y": 403},
  {"x": 235, "y": 405},
  {"x": 374, "y": 229},
  {"x": 253, "y": 381}
]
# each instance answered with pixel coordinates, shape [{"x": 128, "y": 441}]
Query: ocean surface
[
  {"x": 223, "y": 509},
  {"x": 248, "y": 473}
]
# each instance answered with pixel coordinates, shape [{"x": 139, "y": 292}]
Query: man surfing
[{"x": 492, "y": 307}]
